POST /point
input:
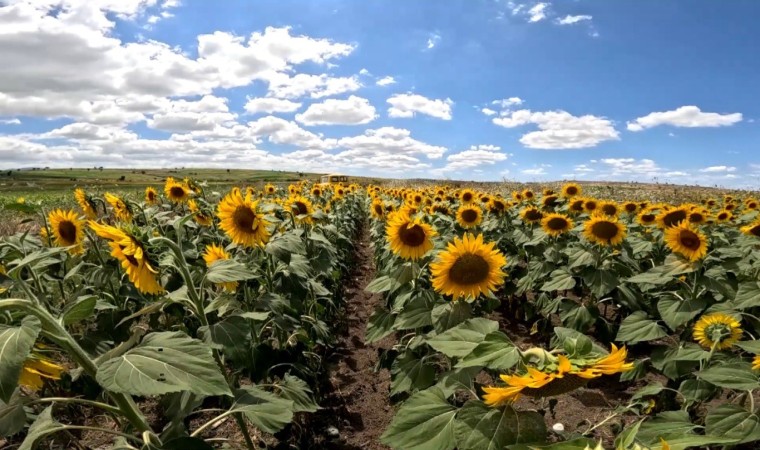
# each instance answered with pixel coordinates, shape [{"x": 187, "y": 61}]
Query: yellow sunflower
[
  {"x": 497, "y": 205},
  {"x": 151, "y": 195},
  {"x": 672, "y": 217},
  {"x": 201, "y": 217},
  {"x": 467, "y": 196},
  {"x": 549, "y": 201},
  {"x": 698, "y": 216},
  {"x": 608, "y": 208},
  {"x": 647, "y": 217},
  {"x": 717, "y": 330},
  {"x": 528, "y": 194},
  {"x": 468, "y": 268},
  {"x": 37, "y": 369},
  {"x": 517, "y": 196},
  {"x": 469, "y": 216},
  {"x": 590, "y": 205},
  {"x": 687, "y": 240},
  {"x": 752, "y": 229},
  {"x": 241, "y": 221},
  {"x": 301, "y": 207},
  {"x": 576, "y": 206},
  {"x": 440, "y": 208},
  {"x": 556, "y": 224},
  {"x": 120, "y": 209},
  {"x": 631, "y": 207},
  {"x": 214, "y": 253},
  {"x": 408, "y": 237},
  {"x": 176, "y": 191},
  {"x": 377, "y": 209},
  {"x": 68, "y": 230},
  {"x": 724, "y": 216},
  {"x": 571, "y": 190},
  {"x": 604, "y": 230},
  {"x": 316, "y": 191},
  {"x": 270, "y": 189},
  {"x": 85, "y": 204},
  {"x": 756, "y": 363},
  {"x": 531, "y": 215}
]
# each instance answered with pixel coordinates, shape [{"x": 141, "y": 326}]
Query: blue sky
[{"x": 465, "y": 89}]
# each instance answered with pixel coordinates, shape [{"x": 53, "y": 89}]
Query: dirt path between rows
[{"x": 358, "y": 408}]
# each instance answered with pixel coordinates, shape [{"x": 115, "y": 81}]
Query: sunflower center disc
[
  {"x": 689, "y": 239},
  {"x": 466, "y": 197},
  {"x": 571, "y": 190},
  {"x": 674, "y": 218},
  {"x": 557, "y": 223},
  {"x": 630, "y": 207},
  {"x": 577, "y": 205},
  {"x": 610, "y": 210},
  {"x": 696, "y": 218},
  {"x": 68, "y": 231},
  {"x": 469, "y": 215},
  {"x": 648, "y": 218},
  {"x": 533, "y": 214},
  {"x": 132, "y": 260},
  {"x": 412, "y": 236},
  {"x": 469, "y": 269},
  {"x": 379, "y": 209},
  {"x": 177, "y": 191},
  {"x": 755, "y": 230},
  {"x": 243, "y": 218},
  {"x": 604, "y": 230},
  {"x": 302, "y": 209}
]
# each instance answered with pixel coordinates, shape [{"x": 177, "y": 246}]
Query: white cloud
[
  {"x": 508, "y": 102},
  {"x": 406, "y": 105},
  {"x": 560, "y": 129},
  {"x": 476, "y": 155},
  {"x": 716, "y": 169},
  {"x": 432, "y": 41},
  {"x": 537, "y": 13},
  {"x": 388, "y": 140},
  {"x": 385, "y": 81},
  {"x": 184, "y": 115},
  {"x": 316, "y": 86},
  {"x": 633, "y": 169},
  {"x": 536, "y": 171},
  {"x": 270, "y": 105},
  {"x": 583, "y": 168},
  {"x": 10, "y": 122},
  {"x": 686, "y": 117},
  {"x": 352, "y": 111},
  {"x": 488, "y": 111},
  {"x": 571, "y": 20},
  {"x": 364, "y": 72}
]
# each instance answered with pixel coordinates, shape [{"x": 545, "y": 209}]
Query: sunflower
[
  {"x": 517, "y": 196},
  {"x": 672, "y": 217},
  {"x": 576, "y": 206},
  {"x": 751, "y": 204},
  {"x": 528, "y": 194},
  {"x": 604, "y": 230},
  {"x": 200, "y": 217},
  {"x": 377, "y": 209},
  {"x": 214, "y": 253},
  {"x": 151, "y": 196},
  {"x": 590, "y": 205},
  {"x": 301, "y": 207},
  {"x": 36, "y": 370},
  {"x": 698, "y": 216},
  {"x": 756, "y": 363},
  {"x": 608, "y": 365},
  {"x": 531, "y": 215},
  {"x": 549, "y": 201},
  {"x": 571, "y": 190},
  {"x": 120, "y": 209},
  {"x": 631, "y": 207},
  {"x": 556, "y": 224},
  {"x": 270, "y": 189},
  {"x": 469, "y": 216},
  {"x": 752, "y": 229},
  {"x": 316, "y": 191},
  {"x": 546, "y": 192},
  {"x": 687, "y": 240},
  {"x": 177, "y": 192},
  {"x": 497, "y": 205},
  {"x": 68, "y": 230},
  {"x": 608, "y": 208},
  {"x": 468, "y": 267},
  {"x": 241, "y": 221},
  {"x": 647, "y": 217},
  {"x": 409, "y": 238},
  {"x": 717, "y": 330},
  {"x": 85, "y": 204},
  {"x": 724, "y": 216},
  {"x": 467, "y": 196},
  {"x": 440, "y": 208}
]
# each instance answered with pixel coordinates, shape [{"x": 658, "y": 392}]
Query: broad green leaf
[
  {"x": 416, "y": 314},
  {"x": 734, "y": 422},
  {"x": 256, "y": 316},
  {"x": 738, "y": 375},
  {"x": 480, "y": 427},
  {"x": 747, "y": 295},
  {"x": 298, "y": 391},
  {"x": 456, "y": 379},
  {"x": 638, "y": 328},
  {"x": 450, "y": 314},
  {"x": 424, "y": 422},
  {"x": 380, "y": 324},
  {"x": 410, "y": 373},
  {"x": 15, "y": 345},
  {"x": 463, "y": 338},
  {"x": 579, "y": 341},
  {"x": 267, "y": 411},
  {"x": 228, "y": 270},
  {"x": 380, "y": 284},
  {"x": 43, "y": 426},
  {"x": 231, "y": 332},
  {"x": 580, "y": 257},
  {"x": 284, "y": 245},
  {"x": 646, "y": 391},
  {"x": 164, "y": 362},
  {"x": 600, "y": 281},
  {"x": 691, "y": 441},
  {"x": 666, "y": 425},
  {"x": 496, "y": 352},
  {"x": 80, "y": 309},
  {"x": 561, "y": 280},
  {"x": 578, "y": 317},
  {"x": 750, "y": 346},
  {"x": 675, "y": 312},
  {"x": 696, "y": 390},
  {"x": 12, "y": 415},
  {"x": 628, "y": 436}
]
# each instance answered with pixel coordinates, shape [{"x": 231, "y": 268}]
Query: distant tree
[
  {"x": 100, "y": 168},
  {"x": 10, "y": 172},
  {"x": 122, "y": 178},
  {"x": 142, "y": 172},
  {"x": 228, "y": 170}
]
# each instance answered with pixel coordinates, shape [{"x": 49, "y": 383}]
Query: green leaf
[
  {"x": 256, "y": 316},
  {"x": 380, "y": 284},
  {"x": 267, "y": 411},
  {"x": 416, "y": 314},
  {"x": 628, "y": 436},
  {"x": 43, "y": 426},
  {"x": 231, "y": 332},
  {"x": 296, "y": 390},
  {"x": 696, "y": 390},
  {"x": 424, "y": 422},
  {"x": 580, "y": 257},
  {"x": 479, "y": 427},
  {"x": 463, "y": 338},
  {"x": 733, "y": 422},
  {"x": 284, "y": 245},
  {"x": 450, "y": 314},
  {"x": 750, "y": 346},
  {"x": 736, "y": 375},
  {"x": 496, "y": 352},
  {"x": 638, "y": 328},
  {"x": 579, "y": 340},
  {"x": 561, "y": 280},
  {"x": 747, "y": 294},
  {"x": 15, "y": 345},
  {"x": 380, "y": 324},
  {"x": 600, "y": 282},
  {"x": 410, "y": 373},
  {"x": 228, "y": 270},
  {"x": 80, "y": 309},
  {"x": 456, "y": 379},
  {"x": 666, "y": 425},
  {"x": 675, "y": 312},
  {"x": 164, "y": 362},
  {"x": 646, "y": 391},
  {"x": 12, "y": 415}
]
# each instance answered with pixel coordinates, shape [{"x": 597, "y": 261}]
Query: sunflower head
[
  {"x": 68, "y": 229},
  {"x": 497, "y": 205},
  {"x": 724, "y": 216},
  {"x": 176, "y": 191},
  {"x": 377, "y": 209},
  {"x": 85, "y": 203},
  {"x": 214, "y": 253},
  {"x": 468, "y": 267},
  {"x": 630, "y": 207},
  {"x": 752, "y": 229},
  {"x": 37, "y": 369},
  {"x": 528, "y": 194},
  {"x": 604, "y": 230},
  {"x": 556, "y": 224},
  {"x": 590, "y": 205},
  {"x": 571, "y": 190},
  {"x": 698, "y": 216},
  {"x": 240, "y": 219},
  {"x": 151, "y": 195},
  {"x": 408, "y": 237},
  {"x": 469, "y": 216},
  {"x": 549, "y": 201},
  {"x": 717, "y": 330},
  {"x": 672, "y": 217},
  {"x": 301, "y": 207},
  {"x": 576, "y": 206},
  {"x": 467, "y": 196},
  {"x": 647, "y": 217},
  {"x": 686, "y": 240},
  {"x": 440, "y": 208},
  {"x": 608, "y": 208},
  {"x": 121, "y": 210},
  {"x": 517, "y": 196},
  {"x": 270, "y": 189},
  {"x": 201, "y": 217},
  {"x": 531, "y": 215}
]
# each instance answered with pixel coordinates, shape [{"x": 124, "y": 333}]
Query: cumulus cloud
[
  {"x": 385, "y": 81},
  {"x": 407, "y": 105},
  {"x": 559, "y": 129},
  {"x": 10, "y": 121},
  {"x": 684, "y": 117},
  {"x": 535, "y": 171},
  {"x": 488, "y": 111},
  {"x": 432, "y": 41},
  {"x": 572, "y": 20},
  {"x": 537, "y": 12},
  {"x": 475, "y": 156},
  {"x": 718, "y": 169},
  {"x": 270, "y": 105},
  {"x": 351, "y": 111}
]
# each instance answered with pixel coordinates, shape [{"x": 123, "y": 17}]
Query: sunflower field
[{"x": 145, "y": 323}]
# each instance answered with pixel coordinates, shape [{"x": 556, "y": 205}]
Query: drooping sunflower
[
  {"x": 408, "y": 237},
  {"x": 240, "y": 219},
  {"x": 687, "y": 240},
  {"x": 176, "y": 191},
  {"x": 717, "y": 329},
  {"x": 556, "y": 224},
  {"x": 301, "y": 207},
  {"x": 214, "y": 253},
  {"x": 467, "y": 196},
  {"x": 121, "y": 210},
  {"x": 469, "y": 216},
  {"x": 68, "y": 230},
  {"x": 85, "y": 204},
  {"x": 151, "y": 195},
  {"x": 672, "y": 217},
  {"x": 468, "y": 267},
  {"x": 377, "y": 209},
  {"x": 531, "y": 215},
  {"x": 752, "y": 229},
  {"x": 201, "y": 217},
  {"x": 571, "y": 190},
  {"x": 604, "y": 230},
  {"x": 37, "y": 369},
  {"x": 608, "y": 208}
]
